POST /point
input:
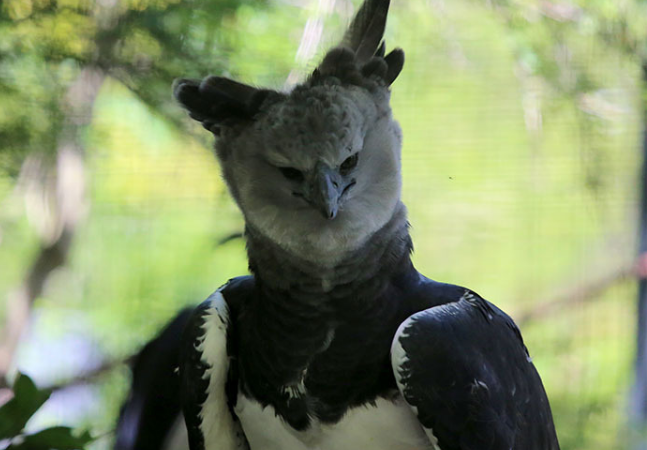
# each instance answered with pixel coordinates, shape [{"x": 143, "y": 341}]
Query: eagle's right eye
[
  {"x": 291, "y": 173},
  {"x": 349, "y": 164}
]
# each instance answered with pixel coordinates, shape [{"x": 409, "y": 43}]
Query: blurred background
[{"x": 523, "y": 124}]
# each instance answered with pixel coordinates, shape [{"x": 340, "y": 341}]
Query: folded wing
[{"x": 466, "y": 373}]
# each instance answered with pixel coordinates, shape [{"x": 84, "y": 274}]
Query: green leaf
[
  {"x": 55, "y": 438},
  {"x": 15, "y": 414}
]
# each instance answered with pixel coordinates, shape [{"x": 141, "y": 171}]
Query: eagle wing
[
  {"x": 206, "y": 387},
  {"x": 466, "y": 373}
]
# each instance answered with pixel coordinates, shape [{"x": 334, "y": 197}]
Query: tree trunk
[
  {"x": 68, "y": 203},
  {"x": 638, "y": 401}
]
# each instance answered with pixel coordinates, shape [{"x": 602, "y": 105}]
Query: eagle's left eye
[
  {"x": 348, "y": 164},
  {"x": 291, "y": 173}
]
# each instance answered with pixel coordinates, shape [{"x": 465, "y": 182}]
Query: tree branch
[
  {"x": 92, "y": 375},
  {"x": 584, "y": 292}
]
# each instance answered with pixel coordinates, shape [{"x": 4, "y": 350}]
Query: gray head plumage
[{"x": 316, "y": 170}]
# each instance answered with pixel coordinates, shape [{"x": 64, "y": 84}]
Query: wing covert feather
[
  {"x": 205, "y": 372},
  {"x": 466, "y": 373}
]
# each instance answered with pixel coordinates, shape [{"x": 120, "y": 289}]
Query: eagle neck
[
  {"x": 359, "y": 275},
  {"x": 298, "y": 306}
]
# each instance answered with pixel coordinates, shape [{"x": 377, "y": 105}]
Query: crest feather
[
  {"x": 359, "y": 59},
  {"x": 365, "y": 32}
]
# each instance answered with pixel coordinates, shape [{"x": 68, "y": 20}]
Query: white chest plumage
[{"x": 386, "y": 425}]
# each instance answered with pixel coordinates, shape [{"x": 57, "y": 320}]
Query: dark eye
[
  {"x": 349, "y": 164},
  {"x": 291, "y": 173}
]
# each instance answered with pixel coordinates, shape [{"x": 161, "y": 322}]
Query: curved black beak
[{"x": 325, "y": 190}]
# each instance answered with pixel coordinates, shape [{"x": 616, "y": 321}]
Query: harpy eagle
[{"x": 335, "y": 341}]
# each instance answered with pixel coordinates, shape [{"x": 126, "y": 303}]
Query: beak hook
[{"x": 325, "y": 191}]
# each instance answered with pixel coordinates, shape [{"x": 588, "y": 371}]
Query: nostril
[{"x": 334, "y": 183}]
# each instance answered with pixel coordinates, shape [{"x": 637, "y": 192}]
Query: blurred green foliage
[
  {"x": 521, "y": 123},
  {"x": 15, "y": 413},
  {"x": 44, "y": 44}
]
